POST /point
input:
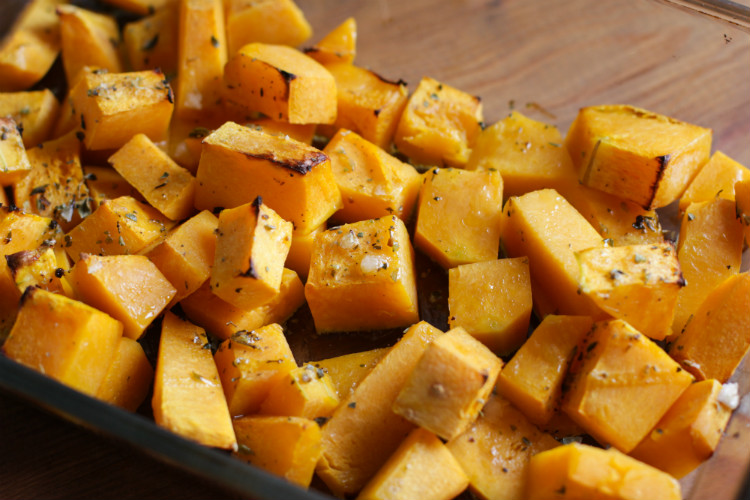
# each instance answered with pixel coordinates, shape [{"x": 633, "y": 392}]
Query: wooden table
[{"x": 546, "y": 59}]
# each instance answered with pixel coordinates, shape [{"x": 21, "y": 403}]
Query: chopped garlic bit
[{"x": 728, "y": 395}]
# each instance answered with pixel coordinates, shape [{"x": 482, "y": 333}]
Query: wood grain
[{"x": 545, "y": 58}]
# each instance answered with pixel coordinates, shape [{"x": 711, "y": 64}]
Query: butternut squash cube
[
  {"x": 40, "y": 268},
  {"x": 368, "y": 103},
  {"x": 348, "y": 370},
  {"x": 362, "y": 277},
  {"x": 14, "y": 162},
  {"x": 636, "y": 283},
  {"x": 300, "y": 251},
  {"x": 450, "y": 384},
  {"x": 495, "y": 450},
  {"x": 223, "y": 319},
  {"x": 709, "y": 251},
  {"x": 130, "y": 288},
  {"x": 544, "y": 227},
  {"x": 688, "y": 433},
  {"x": 528, "y": 154},
  {"x": 715, "y": 180},
  {"x": 288, "y": 447},
  {"x": 250, "y": 363},
  {"x": 141, "y": 7},
  {"x": 645, "y": 157},
  {"x": 188, "y": 398},
  {"x": 186, "y": 256},
  {"x": 34, "y": 111},
  {"x": 88, "y": 39},
  {"x": 239, "y": 163},
  {"x": 339, "y": 45},
  {"x": 304, "y": 132},
  {"x": 306, "y": 392},
  {"x": 28, "y": 50},
  {"x": 105, "y": 183},
  {"x": 54, "y": 186},
  {"x": 582, "y": 471},
  {"x": 459, "y": 216},
  {"x": 439, "y": 125},
  {"x": 64, "y": 339},
  {"x": 717, "y": 337},
  {"x": 282, "y": 83},
  {"x": 742, "y": 194},
  {"x": 278, "y": 22},
  {"x": 421, "y": 467},
  {"x": 129, "y": 377},
  {"x": 621, "y": 384},
  {"x": 533, "y": 379},
  {"x": 372, "y": 183},
  {"x": 115, "y": 106},
  {"x": 120, "y": 226},
  {"x": 152, "y": 42},
  {"x": 363, "y": 431},
  {"x": 251, "y": 248},
  {"x": 201, "y": 56},
  {"x": 168, "y": 187},
  {"x": 492, "y": 301}
]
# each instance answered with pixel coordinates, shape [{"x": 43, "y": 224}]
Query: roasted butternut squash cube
[
  {"x": 300, "y": 252},
  {"x": 88, "y": 39},
  {"x": 34, "y": 111},
  {"x": 709, "y": 251},
  {"x": 621, "y": 384},
  {"x": 130, "y": 288},
  {"x": 421, "y": 467},
  {"x": 495, "y": 450},
  {"x": 439, "y": 125},
  {"x": 129, "y": 377},
  {"x": 636, "y": 154},
  {"x": 201, "y": 56},
  {"x": 64, "y": 339},
  {"x": 339, "y": 45},
  {"x": 742, "y": 194},
  {"x": 528, "y": 154},
  {"x": 115, "y": 106},
  {"x": 717, "y": 337},
  {"x": 688, "y": 433},
  {"x": 459, "y": 216},
  {"x": 40, "y": 268},
  {"x": 715, "y": 180},
  {"x": 282, "y": 83},
  {"x": 362, "y": 277},
  {"x": 582, "y": 471},
  {"x": 363, "y": 431},
  {"x": 492, "y": 301},
  {"x": 250, "y": 363},
  {"x": 372, "y": 183},
  {"x": 544, "y": 227},
  {"x": 348, "y": 370},
  {"x": 368, "y": 103},
  {"x": 105, "y": 183},
  {"x": 151, "y": 42},
  {"x": 15, "y": 164},
  {"x": 117, "y": 227},
  {"x": 450, "y": 384},
  {"x": 167, "y": 187},
  {"x": 188, "y": 398},
  {"x": 278, "y": 22},
  {"x": 239, "y": 163},
  {"x": 305, "y": 391},
  {"x": 288, "y": 447},
  {"x": 251, "y": 246},
  {"x": 304, "y": 132},
  {"x": 186, "y": 256},
  {"x": 28, "y": 50},
  {"x": 533, "y": 379},
  {"x": 223, "y": 319},
  {"x": 636, "y": 283}
]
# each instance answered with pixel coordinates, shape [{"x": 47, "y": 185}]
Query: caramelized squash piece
[
  {"x": 278, "y": 22},
  {"x": 421, "y": 467},
  {"x": 348, "y": 370},
  {"x": 64, "y": 339},
  {"x": 305, "y": 391},
  {"x": 129, "y": 377},
  {"x": 35, "y": 111},
  {"x": 14, "y": 164},
  {"x": 581, "y": 471},
  {"x": 645, "y": 157},
  {"x": 151, "y": 42},
  {"x": 715, "y": 180},
  {"x": 621, "y": 384},
  {"x": 188, "y": 399},
  {"x": 339, "y": 45},
  {"x": 40, "y": 268}
]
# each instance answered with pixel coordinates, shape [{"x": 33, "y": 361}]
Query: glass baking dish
[{"x": 544, "y": 58}]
